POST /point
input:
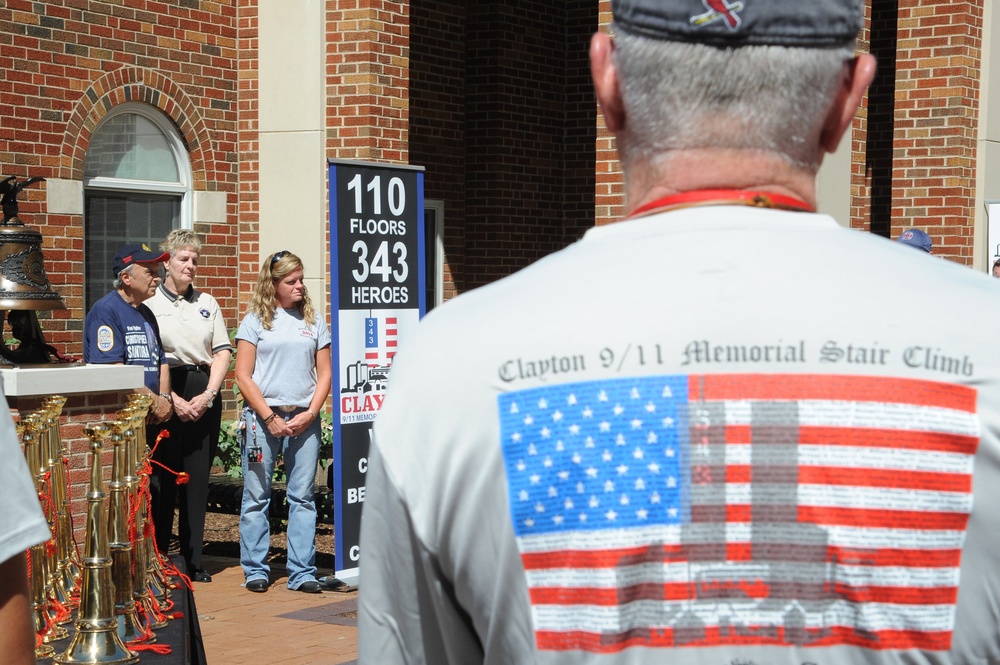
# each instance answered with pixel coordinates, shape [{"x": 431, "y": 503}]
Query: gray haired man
[{"x": 752, "y": 450}]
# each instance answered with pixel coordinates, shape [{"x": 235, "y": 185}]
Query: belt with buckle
[{"x": 191, "y": 368}]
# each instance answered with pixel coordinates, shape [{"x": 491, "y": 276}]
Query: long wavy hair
[{"x": 263, "y": 303}]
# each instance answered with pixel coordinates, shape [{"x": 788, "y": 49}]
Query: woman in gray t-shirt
[{"x": 283, "y": 370}]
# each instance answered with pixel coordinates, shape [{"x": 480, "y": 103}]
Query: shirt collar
[{"x": 172, "y": 297}]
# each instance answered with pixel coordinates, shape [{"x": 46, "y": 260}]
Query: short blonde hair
[{"x": 179, "y": 239}]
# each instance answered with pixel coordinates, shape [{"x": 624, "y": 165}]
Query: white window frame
[
  {"x": 177, "y": 149},
  {"x": 436, "y": 272}
]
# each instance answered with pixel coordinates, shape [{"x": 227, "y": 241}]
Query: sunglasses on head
[{"x": 277, "y": 257}]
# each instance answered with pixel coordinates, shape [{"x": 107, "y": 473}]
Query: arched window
[{"x": 137, "y": 188}]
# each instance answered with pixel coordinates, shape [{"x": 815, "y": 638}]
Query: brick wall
[
  {"x": 937, "y": 105},
  {"x": 609, "y": 189},
  {"x": 368, "y": 80},
  {"x": 64, "y": 64},
  {"x": 914, "y": 139},
  {"x": 246, "y": 207},
  {"x": 518, "y": 113},
  {"x": 438, "y": 120},
  {"x": 503, "y": 119},
  {"x": 502, "y": 116},
  {"x": 866, "y": 126},
  {"x": 368, "y": 83},
  {"x": 580, "y": 133}
]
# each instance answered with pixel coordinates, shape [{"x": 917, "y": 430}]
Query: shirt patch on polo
[
  {"x": 204, "y": 313},
  {"x": 105, "y": 338}
]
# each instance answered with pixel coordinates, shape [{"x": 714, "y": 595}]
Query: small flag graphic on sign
[{"x": 380, "y": 341}]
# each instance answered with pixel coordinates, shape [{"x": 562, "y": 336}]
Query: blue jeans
[{"x": 300, "y": 455}]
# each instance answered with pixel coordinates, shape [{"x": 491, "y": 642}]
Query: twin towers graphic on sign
[{"x": 371, "y": 373}]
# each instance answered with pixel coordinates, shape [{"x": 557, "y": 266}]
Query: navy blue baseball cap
[
  {"x": 808, "y": 23},
  {"x": 136, "y": 253},
  {"x": 916, "y": 238}
]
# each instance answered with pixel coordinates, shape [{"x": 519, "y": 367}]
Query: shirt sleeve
[
  {"x": 22, "y": 523},
  {"x": 105, "y": 339},
  {"x": 220, "y": 334},
  {"x": 406, "y": 611},
  {"x": 323, "y": 338},
  {"x": 249, "y": 330}
]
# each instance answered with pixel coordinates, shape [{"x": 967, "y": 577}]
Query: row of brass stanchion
[{"x": 119, "y": 590}]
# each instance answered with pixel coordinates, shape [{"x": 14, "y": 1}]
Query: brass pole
[
  {"x": 36, "y": 559},
  {"x": 143, "y": 582},
  {"x": 58, "y": 579},
  {"x": 158, "y": 580},
  {"x": 56, "y": 612},
  {"x": 130, "y": 628},
  {"x": 68, "y": 551},
  {"x": 96, "y": 641}
]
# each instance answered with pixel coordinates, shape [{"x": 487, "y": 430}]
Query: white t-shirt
[
  {"x": 285, "y": 371},
  {"x": 22, "y": 523},
  {"x": 713, "y": 435}
]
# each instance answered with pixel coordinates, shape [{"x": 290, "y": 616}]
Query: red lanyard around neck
[{"x": 716, "y": 197}]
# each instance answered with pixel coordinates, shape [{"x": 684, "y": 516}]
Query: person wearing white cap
[{"x": 707, "y": 433}]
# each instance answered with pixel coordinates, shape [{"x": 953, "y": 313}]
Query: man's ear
[
  {"x": 852, "y": 91},
  {"x": 605, "y": 76}
]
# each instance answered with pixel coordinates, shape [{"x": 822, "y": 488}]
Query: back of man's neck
[{"x": 716, "y": 169}]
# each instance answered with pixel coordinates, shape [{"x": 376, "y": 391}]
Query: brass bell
[
  {"x": 23, "y": 282},
  {"x": 24, "y": 286}
]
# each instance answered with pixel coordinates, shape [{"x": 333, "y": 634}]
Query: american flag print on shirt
[{"x": 711, "y": 510}]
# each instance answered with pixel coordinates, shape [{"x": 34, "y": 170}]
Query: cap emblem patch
[{"x": 719, "y": 10}]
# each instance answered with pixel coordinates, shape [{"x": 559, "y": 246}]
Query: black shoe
[
  {"x": 201, "y": 576},
  {"x": 330, "y": 583},
  {"x": 257, "y": 586},
  {"x": 312, "y": 586}
]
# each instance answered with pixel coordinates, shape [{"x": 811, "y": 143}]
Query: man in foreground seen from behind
[{"x": 715, "y": 431}]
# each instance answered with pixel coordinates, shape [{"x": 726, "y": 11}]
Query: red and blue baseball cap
[
  {"x": 136, "y": 253},
  {"x": 802, "y": 23}
]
